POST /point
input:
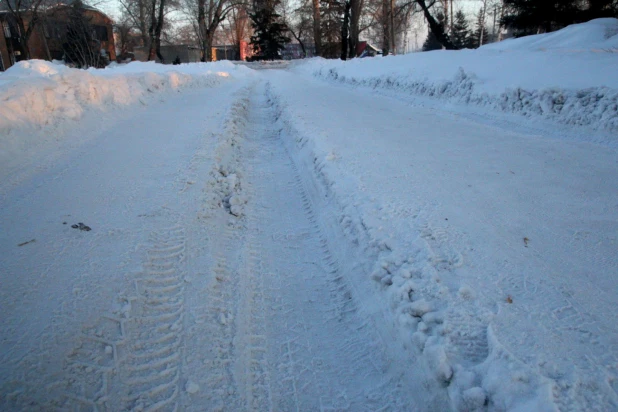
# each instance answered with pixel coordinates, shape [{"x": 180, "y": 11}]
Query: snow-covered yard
[{"x": 435, "y": 231}]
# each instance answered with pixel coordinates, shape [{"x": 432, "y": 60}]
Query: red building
[{"x": 46, "y": 41}]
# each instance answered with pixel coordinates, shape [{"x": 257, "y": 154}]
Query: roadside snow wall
[
  {"x": 567, "y": 76},
  {"x": 38, "y": 94}
]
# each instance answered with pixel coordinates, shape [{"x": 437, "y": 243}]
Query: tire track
[
  {"x": 151, "y": 367},
  {"x": 130, "y": 359},
  {"x": 324, "y": 356},
  {"x": 219, "y": 325},
  {"x": 232, "y": 320},
  {"x": 253, "y": 342}
]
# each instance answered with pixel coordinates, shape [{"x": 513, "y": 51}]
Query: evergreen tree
[
  {"x": 534, "y": 16},
  {"x": 461, "y": 31},
  {"x": 432, "y": 43},
  {"x": 599, "y": 8},
  {"x": 268, "y": 32},
  {"x": 479, "y": 30}
]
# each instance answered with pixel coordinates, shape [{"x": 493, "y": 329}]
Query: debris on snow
[{"x": 192, "y": 388}]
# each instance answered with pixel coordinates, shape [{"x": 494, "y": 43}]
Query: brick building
[{"x": 46, "y": 41}]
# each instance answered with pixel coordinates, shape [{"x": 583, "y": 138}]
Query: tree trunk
[
  {"x": 23, "y": 43},
  {"x": 210, "y": 38},
  {"x": 435, "y": 27},
  {"x": 451, "y": 21},
  {"x": 355, "y": 13},
  {"x": 45, "y": 43},
  {"x": 24, "y": 36},
  {"x": 142, "y": 24},
  {"x": 159, "y": 29},
  {"x": 298, "y": 39},
  {"x": 386, "y": 29},
  {"x": 203, "y": 31},
  {"x": 392, "y": 24},
  {"x": 152, "y": 49},
  {"x": 344, "y": 31},
  {"x": 317, "y": 28}
]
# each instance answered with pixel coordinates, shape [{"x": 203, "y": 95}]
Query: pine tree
[
  {"x": 432, "y": 43},
  {"x": 461, "y": 31},
  {"x": 479, "y": 30},
  {"x": 269, "y": 32},
  {"x": 535, "y": 16}
]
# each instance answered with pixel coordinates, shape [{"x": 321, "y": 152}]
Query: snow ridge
[
  {"x": 595, "y": 107},
  {"x": 43, "y": 94},
  {"x": 225, "y": 184}
]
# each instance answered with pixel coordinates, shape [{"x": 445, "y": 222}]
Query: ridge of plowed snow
[
  {"x": 42, "y": 101},
  {"x": 574, "y": 87}
]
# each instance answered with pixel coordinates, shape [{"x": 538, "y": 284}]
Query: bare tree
[
  {"x": 138, "y": 14},
  {"x": 299, "y": 21},
  {"x": 436, "y": 28},
  {"x": 151, "y": 19},
  {"x": 127, "y": 37},
  {"x": 206, "y": 16},
  {"x": 81, "y": 47},
  {"x": 239, "y": 24}
]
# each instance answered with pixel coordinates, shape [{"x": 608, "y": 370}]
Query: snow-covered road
[{"x": 276, "y": 242}]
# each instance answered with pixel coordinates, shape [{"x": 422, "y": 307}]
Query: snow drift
[
  {"x": 40, "y": 93},
  {"x": 568, "y": 76}
]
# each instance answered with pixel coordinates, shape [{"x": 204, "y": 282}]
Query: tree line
[
  {"x": 333, "y": 28},
  {"x": 327, "y": 28}
]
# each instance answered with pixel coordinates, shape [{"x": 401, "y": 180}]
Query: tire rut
[
  {"x": 153, "y": 352},
  {"x": 323, "y": 354}
]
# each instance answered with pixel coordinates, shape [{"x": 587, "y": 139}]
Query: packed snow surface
[
  {"x": 568, "y": 76},
  {"x": 220, "y": 238}
]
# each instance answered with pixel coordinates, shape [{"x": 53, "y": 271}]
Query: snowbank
[
  {"x": 39, "y": 93},
  {"x": 599, "y": 34},
  {"x": 568, "y": 76},
  {"x": 41, "y": 99}
]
